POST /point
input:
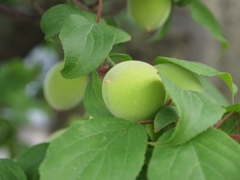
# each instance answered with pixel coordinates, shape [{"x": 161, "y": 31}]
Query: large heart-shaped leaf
[{"x": 99, "y": 148}]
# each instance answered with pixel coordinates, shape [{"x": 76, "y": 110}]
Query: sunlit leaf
[
  {"x": 210, "y": 155},
  {"x": 10, "y": 170},
  {"x": 100, "y": 148}
]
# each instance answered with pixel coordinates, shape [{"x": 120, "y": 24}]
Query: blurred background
[{"x": 25, "y": 58}]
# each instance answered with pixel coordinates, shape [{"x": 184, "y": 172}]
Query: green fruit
[
  {"x": 150, "y": 14},
  {"x": 133, "y": 90},
  {"x": 61, "y": 93},
  {"x": 180, "y": 76}
]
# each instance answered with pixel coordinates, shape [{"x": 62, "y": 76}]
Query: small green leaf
[
  {"x": 10, "y": 170},
  {"x": 53, "y": 19},
  {"x": 233, "y": 107},
  {"x": 122, "y": 56},
  {"x": 31, "y": 160},
  {"x": 201, "y": 69},
  {"x": 99, "y": 148},
  {"x": 230, "y": 126},
  {"x": 164, "y": 117},
  {"x": 93, "y": 100},
  {"x": 210, "y": 155},
  {"x": 195, "y": 111},
  {"x": 85, "y": 45},
  {"x": 121, "y": 36},
  {"x": 202, "y": 15}
]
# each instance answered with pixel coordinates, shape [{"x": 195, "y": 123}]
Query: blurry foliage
[{"x": 15, "y": 100}]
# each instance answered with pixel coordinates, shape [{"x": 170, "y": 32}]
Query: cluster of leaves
[{"x": 106, "y": 147}]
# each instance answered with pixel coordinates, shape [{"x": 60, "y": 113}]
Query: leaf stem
[
  {"x": 223, "y": 120},
  {"x": 110, "y": 61},
  {"x": 99, "y": 10}
]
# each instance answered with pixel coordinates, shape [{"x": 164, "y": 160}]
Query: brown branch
[
  {"x": 146, "y": 122},
  {"x": 223, "y": 120},
  {"x": 99, "y": 11},
  {"x": 37, "y": 7},
  {"x": 235, "y": 136},
  {"x": 13, "y": 13}
]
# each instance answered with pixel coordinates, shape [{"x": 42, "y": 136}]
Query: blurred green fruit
[
  {"x": 180, "y": 76},
  {"x": 61, "y": 93},
  {"x": 133, "y": 90},
  {"x": 150, "y": 14}
]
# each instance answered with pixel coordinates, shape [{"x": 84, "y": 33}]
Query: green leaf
[
  {"x": 121, "y": 36},
  {"x": 201, "y": 69},
  {"x": 202, "y": 15},
  {"x": 122, "y": 56},
  {"x": 31, "y": 160},
  {"x": 53, "y": 19},
  {"x": 163, "y": 30},
  {"x": 164, "y": 117},
  {"x": 93, "y": 100},
  {"x": 85, "y": 45},
  {"x": 230, "y": 126},
  {"x": 213, "y": 91},
  {"x": 233, "y": 107},
  {"x": 99, "y": 148},
  {"x": 10, "y": 170},
  {"x": 210, "y": 155},
  {"x": 195, "y": 111}
]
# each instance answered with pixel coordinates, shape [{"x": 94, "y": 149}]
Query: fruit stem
[
  {"x": 99, "y": 10},
  {"x": 110, "y": 61},
  {"x": 223, "y": 120}
]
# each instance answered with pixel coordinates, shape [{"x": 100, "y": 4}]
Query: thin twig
[
  {"x": 146, "y": 122},
  {"x": 235, "y": 136},
  {"x": 13, "y": 13},
  {"x": 223, "y": 120},
  {"x": 99, "y": 10},
  {"x": 37, "y": 7}
]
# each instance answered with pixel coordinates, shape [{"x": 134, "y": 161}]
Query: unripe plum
[
  {"x": 133, "y": 90},
  {"x": 61, "y": 93},
  {"x": 150, "y": 14},
  {"x": 180, "y": 76}
]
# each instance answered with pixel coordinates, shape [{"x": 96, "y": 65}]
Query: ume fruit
[
  {"x": 61, "y": 93},
  {"x": 133, "y": 90},
  {"x": 150, "y": 14}
]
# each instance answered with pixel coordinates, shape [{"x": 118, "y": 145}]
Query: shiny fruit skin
[
  {"x": 61, "y": 93},
  {"x": 133, "y": 90},
  {"x": 180, "y": 76},
  {"x": 150, "y": 14}
]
